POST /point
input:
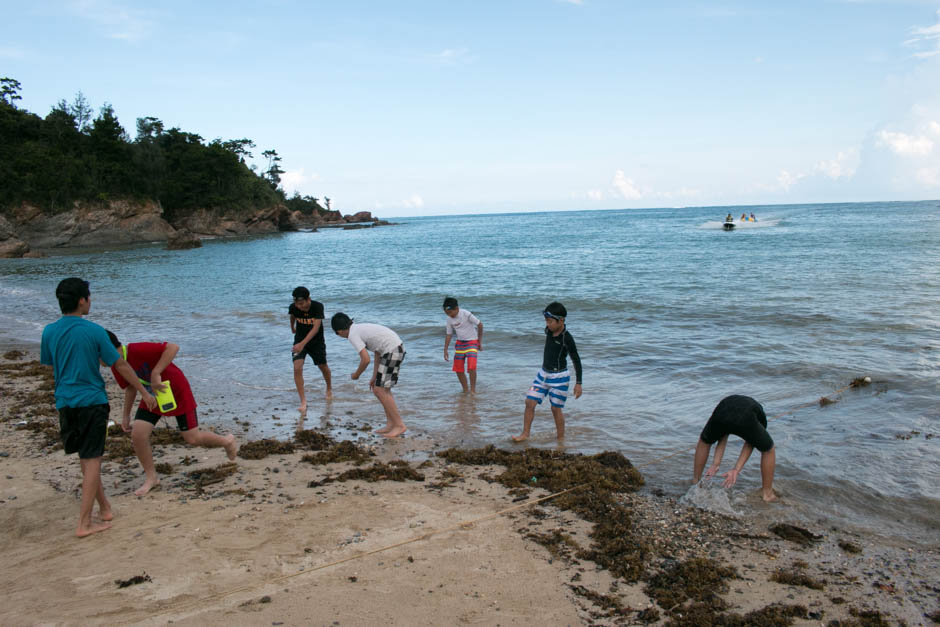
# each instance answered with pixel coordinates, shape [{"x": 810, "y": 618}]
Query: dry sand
[{"x": 262, "y": 547}]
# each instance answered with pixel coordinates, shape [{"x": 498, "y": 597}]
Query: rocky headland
[{"x": 29, "y": 231}]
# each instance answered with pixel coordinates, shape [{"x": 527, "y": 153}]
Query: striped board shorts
[
  {"x": 387, "y": 371},
  {"x": 466, "y": 351},
  {"x": 555, "y": 384}
]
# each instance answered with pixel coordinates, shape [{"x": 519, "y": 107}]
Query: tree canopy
[{"x": 70, "y": 156}]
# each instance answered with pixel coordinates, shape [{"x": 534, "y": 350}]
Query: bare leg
[
  {"x": 207, "y": 439},
  {"x": 527, "y": 419},
  {"x": 768, "y": 461},
  {"x": 328, "y": 379},
  {"x": 91, "y": 482},
  {"x": 392, "y": 416},
  {"x": 140, "y": 436},
  {"x": 299, "y": 382},
  {"x": 701, "y": 458},
  {"x": 559, "y": 415},
  {"x": 463, "y": 382},
  {"x": 473, "y": 381},
  {"x": 104, "y": 506}
]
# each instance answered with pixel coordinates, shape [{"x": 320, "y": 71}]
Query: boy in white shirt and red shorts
[{"x": 469, "y": 331}]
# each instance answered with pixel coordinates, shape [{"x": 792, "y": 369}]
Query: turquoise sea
[{"x": 670, "y": 314}]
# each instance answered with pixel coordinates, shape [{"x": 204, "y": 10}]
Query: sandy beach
[{"x": 292, "y": 538}]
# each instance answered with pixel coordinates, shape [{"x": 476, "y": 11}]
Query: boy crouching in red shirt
[{"x": 153, "y": 364}]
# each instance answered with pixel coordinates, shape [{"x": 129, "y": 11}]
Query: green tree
[{"x": 9, "y": 91}]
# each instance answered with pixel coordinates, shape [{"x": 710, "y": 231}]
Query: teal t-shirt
[{"x": 73, "y": 346}]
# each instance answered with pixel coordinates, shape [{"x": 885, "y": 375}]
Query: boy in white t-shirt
[
  {"x": 469, "y": 332},
  {"x": 389, "y": 353}
]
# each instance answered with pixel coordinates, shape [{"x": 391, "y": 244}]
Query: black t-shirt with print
[{"x": 305, "y": 321}]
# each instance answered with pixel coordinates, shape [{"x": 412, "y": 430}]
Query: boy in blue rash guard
[
  {"x": 744, "y": 417},
  {"x": 75, "y": 347},
  {"x": 554, "y": 377}
]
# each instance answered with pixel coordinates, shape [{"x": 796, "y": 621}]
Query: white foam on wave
[{"x": 711, "y": 496}]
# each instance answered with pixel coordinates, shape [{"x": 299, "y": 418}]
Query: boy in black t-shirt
[{"x": 306, "y": 322}]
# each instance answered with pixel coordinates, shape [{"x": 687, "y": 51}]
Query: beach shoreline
[{"x": 277, "y": 540}]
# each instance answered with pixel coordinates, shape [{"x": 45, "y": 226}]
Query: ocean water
[{"x": 670, "y": 314}]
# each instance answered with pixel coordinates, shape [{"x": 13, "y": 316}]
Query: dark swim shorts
[
  {"x": 185, "y": 422},
  {"x": 84, "y": 429},
  {"x": 741, "y": 416},
  {"x": 317, "y": 353}
]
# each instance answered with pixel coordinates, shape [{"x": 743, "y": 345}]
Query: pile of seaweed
[
  {"x": 594, "y": 482},
  {"x": 259, "y": 449},
  {"x": 396, "y": 470},
  {"x": 29, "y": 403},
  {"x": 209, "y": 476}
]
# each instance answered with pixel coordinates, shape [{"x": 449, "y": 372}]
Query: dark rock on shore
[{"x": 183, "y": 240}]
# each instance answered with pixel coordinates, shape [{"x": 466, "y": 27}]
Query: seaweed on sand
[
  {"x": 259, "y": 449},
  {"x": 593, "y": 481},
  {"x": 397, "y": 470},
  {"x": 558, "y": 543},
  {"x": 209, "y": 476},
  {"x": 50, "y": 431},
  {"x": 795, "y": 534},
  {"x": 796, "y": 577},
  {"x": 861, "y": 618},
  {"x": 699, "y": 579},
  {"x": 133, "y": 581},
  {"x": 344, "y": 451},
  {"x": 311, "y": 440}
]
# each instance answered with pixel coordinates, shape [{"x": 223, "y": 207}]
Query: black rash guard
[{"x": 557, "y": 348}]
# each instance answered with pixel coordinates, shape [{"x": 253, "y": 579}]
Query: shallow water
[{"x": 670, "y": 313}]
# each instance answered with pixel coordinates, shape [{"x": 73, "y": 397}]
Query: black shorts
[
  {"x": 84, "y": 429},
  {"x": 317, "y": 352},
  {"x": 185, "y": 422},
  {"x": 741, "y": 416}
]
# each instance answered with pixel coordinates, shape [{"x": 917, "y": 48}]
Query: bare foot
[
  {"x": 522, "y": 437},
  {"x": 149, "y": 485},
  {"x": 329, "y": 395},
  {"x": 395, "y": 432},
  {"x": 303, "y": 408},
  {"x": 94, "y": 527},
  {"x": 384, "y": 429},
  {"x": 105, "y": 513},
  {"x": 769, "y": 499},
  {"x": 231, "y": 446}
]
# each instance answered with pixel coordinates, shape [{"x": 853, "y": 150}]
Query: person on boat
[
  {"x": 753, "y": 218},
  {"x": 743, "y": 217},
  {"x": 729, "y": 218}
]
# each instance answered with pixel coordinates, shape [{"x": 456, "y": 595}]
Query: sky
[{"x": 474, "y": 106}]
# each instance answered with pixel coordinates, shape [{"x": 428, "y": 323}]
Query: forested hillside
[{"x": 71, "y": 155}]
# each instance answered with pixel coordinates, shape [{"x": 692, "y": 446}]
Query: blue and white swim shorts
[{"x": 555, "y": 384}]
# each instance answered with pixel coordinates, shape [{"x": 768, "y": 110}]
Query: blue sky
[{"x": 444, "y": 107}]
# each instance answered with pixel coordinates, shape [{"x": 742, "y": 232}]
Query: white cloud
[
  {"x": 927, "y": 39},
  {"x": 786, "y": 180},
  {"x": 452, "y": 56},
  {"x": 414, "y": 202},
  {"x": 843, "y": 166},
  {"x": 119, "y": 21},
  {"x": 293, "y": 180},
  {"x": 626, "y": 186},
  {"x": 595, "y": 194},
  {"x": 904, "y": 144}
]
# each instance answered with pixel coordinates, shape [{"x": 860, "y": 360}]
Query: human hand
[
  {"x": 297, "y": 348},
  {"x": 711, "y": 472},
  {"x": 156, "y": 383},
  {"x": 126, "y": 424},
  {"x": 577, "y": 390},
  {"x": 446, "y": 355},
  {"x": 355, "y": 375},
  {"x": 372, "y": 384},
  {"x": 149, "y": 401},
  {"x": 730, "y": 477}
]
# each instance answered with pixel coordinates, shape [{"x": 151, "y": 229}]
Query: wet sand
[{"x": 274, "y": 541}]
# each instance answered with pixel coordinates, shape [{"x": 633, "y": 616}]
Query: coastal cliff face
[{"x": 25, "y": 230}]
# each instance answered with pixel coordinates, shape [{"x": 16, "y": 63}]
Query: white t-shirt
[
  {"x": 373, "y": 337},
  {"x": 465, "y": 324}
]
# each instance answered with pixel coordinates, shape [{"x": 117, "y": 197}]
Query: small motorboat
[{"x": 729, "y": 225}]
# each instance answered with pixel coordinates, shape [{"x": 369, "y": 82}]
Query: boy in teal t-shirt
[{"x": 74, "y": 347}]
